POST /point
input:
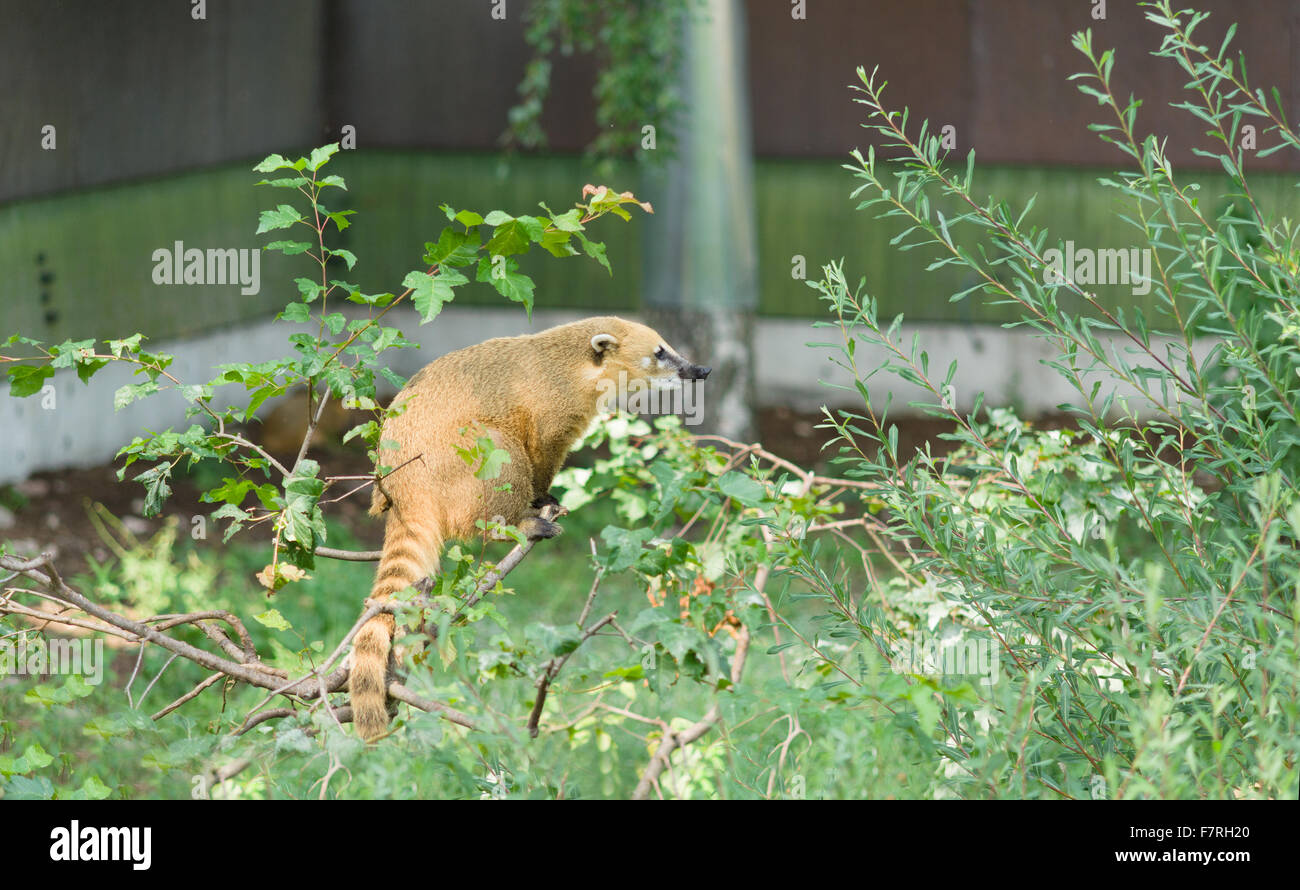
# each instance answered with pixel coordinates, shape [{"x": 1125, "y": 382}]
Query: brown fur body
[{"x": 534, "y": 396}]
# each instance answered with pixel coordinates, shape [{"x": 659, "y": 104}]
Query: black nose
[{"x": 699, "y": 373}]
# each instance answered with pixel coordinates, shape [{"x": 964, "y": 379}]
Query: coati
[{"x": 534, "y": 396}]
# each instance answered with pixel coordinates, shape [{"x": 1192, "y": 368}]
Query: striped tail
[{"x": 411, "y": 553}]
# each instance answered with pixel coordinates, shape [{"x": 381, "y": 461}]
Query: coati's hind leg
[{"x": 543, "y": 525}]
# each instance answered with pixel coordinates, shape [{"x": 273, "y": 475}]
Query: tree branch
[{"x": 673, "y": 740}]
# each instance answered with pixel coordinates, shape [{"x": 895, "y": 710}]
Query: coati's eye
[{"x": 660, "y": 353}]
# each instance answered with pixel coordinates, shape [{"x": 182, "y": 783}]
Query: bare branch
[
  {"x": 553, "y": 668},
  {"x": 350, "y": 555},
  {"x": 192, "y": 694},
  {"x": 673, "y": 740},
  {"x": 446, "y": 712},
  {"x": 312, "y": 423}
]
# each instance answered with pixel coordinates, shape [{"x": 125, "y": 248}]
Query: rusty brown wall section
[
  {"x": 138, "y": 89},
  {"x": 997, "y": 71}
]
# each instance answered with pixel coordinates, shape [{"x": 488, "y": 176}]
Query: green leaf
[
  {"x": 295, "y": 741},
  {"x": 35, "y": 757},
  {"x": 431, "y": 292},
  {"x": 595, "y": 250},
  {"x": 557, "y": 244},
  {"x": 237, "y": 517},
  {"x": 309, "y": 289},
  {"x": 281, "y": 217},
  {"x": 335, "y": 322},
  {"x": 370, "y": 299},
  {"x": 305, "y": 524},
  {"x": 453, "y": 248},
  {"x": 296, "y": 312},
  {"x": 493, "y": 461},
  {"x": 627, "y": 545},
  {"x": 86, "y": 369},
  {"x": 348, "y": 256},
  {"x": 129, "y": 344},
  {"x": 681, "y": 639},
  {"x": 27, "y": 380},
  {"x": 273, "y": 619},
  {"x": 22, "y": 788},
  {"x": 740, "y": 487},
  {"x": 271, "y": 163},
  {"x": 91, "y": 789},
  {"x": 514, "y": 236},
  {"x": 195, "y": 393},
  {"x": 285, "y": 182},
  {"x": 231, "y": 491},
  {"x": 570, "y": 221},
  {"x": 632, "y": 672},
  {"x": 510, "y": 283},
  {"x": 319, "y": 156},
  {"x": 69, "y": 352},
  {"x": 157, "y": 489},
  {"x": 76, "y": 687},
  {"x": 289, "y": 248},
  {"x": 131, "y": 392}
]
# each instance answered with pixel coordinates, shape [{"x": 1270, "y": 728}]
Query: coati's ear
[{"x": 603, "y": 343}]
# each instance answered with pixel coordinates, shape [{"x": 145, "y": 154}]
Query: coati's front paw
[
  {"x": 535, "y": 528},
  {"x": 545, "y": 500}
]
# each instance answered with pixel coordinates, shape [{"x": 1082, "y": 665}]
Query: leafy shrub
[
  {"x": 1136, "y": 579},
  {"x": 1107, "y": 611}
]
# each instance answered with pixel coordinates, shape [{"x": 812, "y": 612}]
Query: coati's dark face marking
[{"x": 666, "y": 358}]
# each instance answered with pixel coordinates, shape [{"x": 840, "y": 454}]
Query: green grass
[{"x": 141, "y": 758}]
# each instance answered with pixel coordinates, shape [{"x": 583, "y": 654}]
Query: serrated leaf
[
  {"x": 35, "y": 757},
  {"x": 23, "y": 788},
  {"x": 503, "y": 275},
  {"x": 281, "y": 217},
  {"x": 272, "y": 163},
  {"x": 296, "y": 312},
  {"x": 285, "y": 182},
  {"x": 510, "y": 238},
  {"x": 289, "y": 248},
  {"x": 453, "y": 248},
  {"x": 595, "y": 250},
  {"x": 273, "y": 619},
  {"x": 429, "y": 293},
  {"x": 157, "y": 488},
  {"x": 627, "y": 545},
  {"x": 740, "y": 487},
  {"x": 346, "y": 255},
  {"x": 92, "y": 789},
  {"x": 27, "y": 380},
  {"x": 319, "y": 156},
  {"x": 129, "y": 393}
]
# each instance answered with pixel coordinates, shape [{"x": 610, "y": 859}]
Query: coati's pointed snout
[{"x": 694, "y": 372}]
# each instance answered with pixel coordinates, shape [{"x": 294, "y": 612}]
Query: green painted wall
[
  {"x": 805, "y": 208},
  {"x": 80, "y": 264}
]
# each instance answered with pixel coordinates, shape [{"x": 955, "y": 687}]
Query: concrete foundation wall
[{"x": 74, "y": 425}]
